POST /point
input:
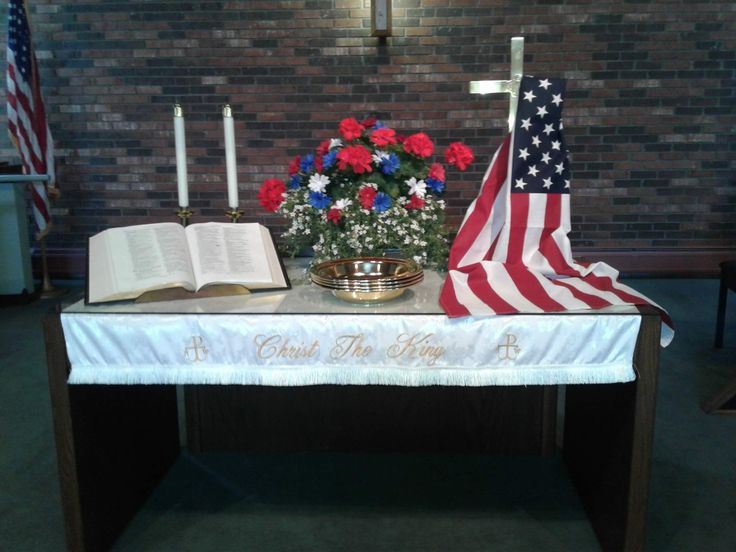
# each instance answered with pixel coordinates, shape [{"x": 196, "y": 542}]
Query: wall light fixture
[{"x": 380, "y": 17}]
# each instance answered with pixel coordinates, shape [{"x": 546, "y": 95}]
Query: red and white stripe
[
  {"x": 512, "y": 255},
  {"x": 30, "y": 132}
]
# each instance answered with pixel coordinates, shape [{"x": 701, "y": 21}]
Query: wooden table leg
[
  {"x": 113, "y": 443},
  {"x": 608, "y": 440}
]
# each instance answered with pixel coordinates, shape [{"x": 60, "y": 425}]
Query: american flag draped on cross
[
  {"x": 512, "y": 253},
  {"x": 26, "y": 114}
]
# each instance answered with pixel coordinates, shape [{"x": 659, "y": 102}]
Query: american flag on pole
[
  {"x": 512, "y": 253},
  {"x": 26, "y": 114}
]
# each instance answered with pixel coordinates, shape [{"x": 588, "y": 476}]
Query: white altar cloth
[{"x": 306, "y": 337}]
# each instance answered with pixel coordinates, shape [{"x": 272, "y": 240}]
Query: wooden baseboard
[
  {"x": 680, "y": 262},
  {"x": 69, "y": 263}
]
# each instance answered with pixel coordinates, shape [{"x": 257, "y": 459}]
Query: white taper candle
[
  {"x": 181, "y": 157},
  {"x": 230, "y": 162}
]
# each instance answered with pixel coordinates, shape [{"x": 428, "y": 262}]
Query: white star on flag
[
  {"x": 536, "y": 141},
  {"x": 555, "y": 145},
  {"x": 529, "y": 95},
  {"x": 557, "y": 99},
  {"x": 526, "y": 123},
  {"x": 541, "y": 111},
  {"x": 547, "y": 183},
  {"x": 523, "y": 154},
  {"x": 520, "y": 183},
  {"x": 546, "y": 158},
  {"x": 544, "y": 83},
  {"x": 549, "y": 129},
  {"x": 533, "y": 170},
  {"x": 559, "y": 168}
]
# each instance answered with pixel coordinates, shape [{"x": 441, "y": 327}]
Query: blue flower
[
  {"x": 307, "y": 163},
  {"x": 435, "y": 185},
  {"x": 390, "y": 165},
  {"x": 381, "y": 202},
  {"x": 379, "y": 124},
  {"x": 295, "y": 182},
  {"x": 318, "y": 200},
  {"x": 329, "y": 159}
]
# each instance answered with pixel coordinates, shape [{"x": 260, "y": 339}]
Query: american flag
[
  {"x": 26, "y": 114},
  {"x": 512, "y": 253}
]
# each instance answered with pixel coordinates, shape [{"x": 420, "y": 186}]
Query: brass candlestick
[
  {"x": 184, "y": 213},
  {"x": 233, "y": 214}
]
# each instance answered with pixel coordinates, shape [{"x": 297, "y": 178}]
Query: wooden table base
[{"x": 115, "y": 443}]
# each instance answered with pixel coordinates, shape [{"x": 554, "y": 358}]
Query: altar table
[{"x": 116, "y": 442}]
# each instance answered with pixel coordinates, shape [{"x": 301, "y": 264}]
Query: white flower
[
  {"x": 379, "y": 156},
  {"x": 417, "y": 187},
  {"x": 318, "y": 182},
  {"x": 343, "y": 203},
  {"x": 335, "y": 143}
]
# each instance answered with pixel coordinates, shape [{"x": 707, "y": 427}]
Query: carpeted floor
[{"x": 325, "y": 502}]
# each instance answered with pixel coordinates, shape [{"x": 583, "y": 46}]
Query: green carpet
[{"x": 382, "y": 502}]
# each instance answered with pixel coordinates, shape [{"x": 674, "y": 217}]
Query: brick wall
[{"x": 650, "y": 114}]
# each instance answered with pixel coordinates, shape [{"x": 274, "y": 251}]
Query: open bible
[{"x": 125, "y": 263}]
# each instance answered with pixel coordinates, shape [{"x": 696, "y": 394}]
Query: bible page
[
  {"x": 142, "y": 258},
  {"x": 229, "y": 253}
]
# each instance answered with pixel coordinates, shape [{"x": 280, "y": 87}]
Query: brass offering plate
[
  {"x": 367, "y": 297},
  {"x": 367, "y": 280}
]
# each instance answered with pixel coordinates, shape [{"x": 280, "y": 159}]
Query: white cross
[{"x": 508, "y": 86}]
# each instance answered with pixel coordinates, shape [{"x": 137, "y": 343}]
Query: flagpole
[{"x": 48, "y": 290}]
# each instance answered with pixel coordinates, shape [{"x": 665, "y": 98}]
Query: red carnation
[
  {"x": 415, "y": 202},
  {"x": 369, "y": 122},
  {"x": 318, "y": 166},
  {"x": 358, "y": 157},
  {"x": 437, "y": 172},
  {"x": 323, "y": 147},
  {"x": 419, "y": 144},
  {"x": 366, "y": 195},
  {"x": 459, "y": 155},
  {"x": 350, "y": 128},
  {"x": 383, "y": 137},
  {"x": 271, "y": 195},
  {"x": 294, "y": 166},
  {"x": 334, "y": 215},
  {"x": 400, "y": 138}
]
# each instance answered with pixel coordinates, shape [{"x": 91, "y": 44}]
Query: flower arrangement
[{"x": 369, "y": 191}]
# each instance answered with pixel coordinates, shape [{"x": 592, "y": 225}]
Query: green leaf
[{"x": 392, "y": 189}]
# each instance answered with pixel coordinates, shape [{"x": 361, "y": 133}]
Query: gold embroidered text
[
  {"x": 416, "y": 346},
  {"x": 350, "y": 346},
  {"x": 277, "y": 346}
]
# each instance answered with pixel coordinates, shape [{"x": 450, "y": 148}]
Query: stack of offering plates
[{"x": 367, "y": 279}]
